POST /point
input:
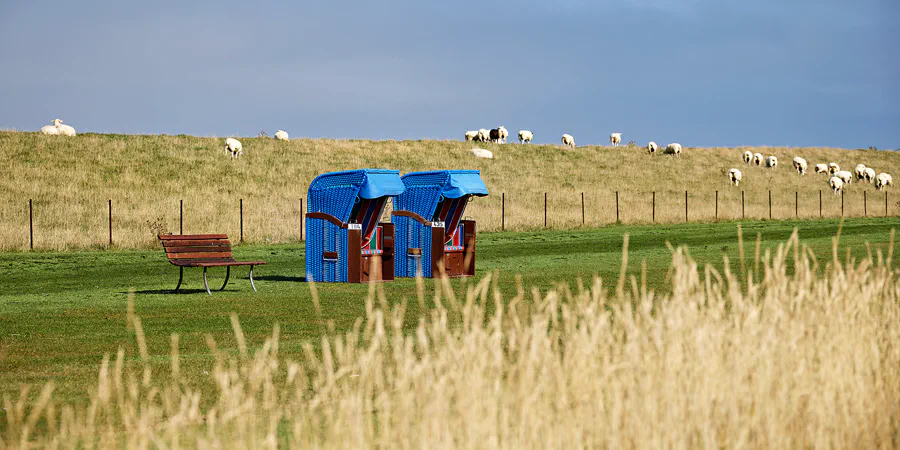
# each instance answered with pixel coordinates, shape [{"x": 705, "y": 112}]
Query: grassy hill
[{"x": 71, "y": 179}]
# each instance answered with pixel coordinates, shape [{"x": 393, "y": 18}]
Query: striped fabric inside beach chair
[
  {"x": 450, "y": 211},
  {"x": 367, "y": 212}
]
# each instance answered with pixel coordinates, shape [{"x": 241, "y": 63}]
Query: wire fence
[{"x": 119, "y": 226}]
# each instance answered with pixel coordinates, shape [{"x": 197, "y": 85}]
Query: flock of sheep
[
  {"x": 498, "y": 136},
  {"x": 838, "y": 178}
]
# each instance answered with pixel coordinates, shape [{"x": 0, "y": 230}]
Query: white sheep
[
  {"x": 860, "y": 171},
  {"x": 748, "y": 157},
  {"x": 800, "y": 164},
  {"x": 64, "y": 130},
  {"x": 869, "y": 174},
  {"x": 234, "y": 147},
  {"x": 525, "y": 136},
  {"x": 281, "y": 135},
  {"x": 837, "y": 185},
  {"x": 845, "y": 176},
  {"x": 674, "y": 149},
  {"x": 50, "y": 130},
  {"x": 821, "y": 168},
  {"x": 652, "y": 147},
  {"x": 833, "y": 167},
  {"x": 735, "y": 176},
  {"x": 771, "y": 161},
  {"x": 615, "y": 139},
  {"x": 503, "y": 134},
  {"x": 482, "y": 153},
  {"x": 471, "y": 135},
  {"x": 484, "y": 135},
  {"x": 883, "y": 180},
  {"x": 568, "y": 140},
  {"x": 758, "y": 159}
]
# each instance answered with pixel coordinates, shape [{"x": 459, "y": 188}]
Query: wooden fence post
[
  {"x": 545, "y": 210},
  {"x": 820, "y": 203},
  {"x": 685, "y": 206},
  {"x": 242, "y": 219},
  {"x": 717, "y": 206},
  {"x": 653, "y": 206},
  {"x": 842, "y": 203},
  {"x": 31, "y": 224},
  {"x": 110, "y": 222},
  {"x": 865, "y": 205},
  {"x": 181, "y": 216},
  {"x": 885, "y": 204},
  {"x": 503, "y": 211},
  {"x": 796, "y": 203},
  {"x": 770, "y": 203},
  {"x": 742, "y": 206},
  {"x": 582, "y": 208},
  {"x": 301, "y": 218}
]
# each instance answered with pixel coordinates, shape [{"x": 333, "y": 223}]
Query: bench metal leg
[
  {"x": 180, "y": 277},
  {"x": 227, "y": 274},
  {"x": 205, "y": 283},
  {"x": 251, "y": 279}
]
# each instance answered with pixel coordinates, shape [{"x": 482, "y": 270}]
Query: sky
[{"x": 699, "y": 72}]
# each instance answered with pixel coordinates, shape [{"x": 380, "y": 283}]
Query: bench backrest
[{"x": 197, "y": 247}]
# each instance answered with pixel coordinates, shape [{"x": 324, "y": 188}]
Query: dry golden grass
[
  {"x": 800, "y": 358},
  {"x": 71, "y": 179}
]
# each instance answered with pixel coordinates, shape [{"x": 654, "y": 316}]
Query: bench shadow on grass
[{"x": 170, "y": 291}]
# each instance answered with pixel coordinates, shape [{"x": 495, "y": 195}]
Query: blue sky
[{"x": 699, "y": 72}]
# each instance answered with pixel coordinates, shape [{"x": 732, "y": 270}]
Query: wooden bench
[{"x": 203, "y": 250}]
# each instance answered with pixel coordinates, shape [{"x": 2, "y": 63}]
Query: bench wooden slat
[
  {"x": 189, "y": 243},
  {"x": 198, "y": 255},
  {"x": 198, "y": 248},
  {"x": 214, "y": 263},
  {"x": 175, "y": 237}
]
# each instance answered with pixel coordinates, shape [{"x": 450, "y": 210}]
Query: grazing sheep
[
  {"x": 869, "y": 174},
  {"x": 234, "y": 147},
  {"x": 833, "y": 167},
  {"x": 50, "y": 130},
  {"x": 821, "y": 168},
  {"x": 471, "y": 135},
  {"x": 615, "y": 139},
  {"x": 281, "y": 135},
  {"x": 845, "y": 176},
  {"x": 883, "y": 180},
  {"x": 652, "y": 147},
  {"x": 482, "y": 153},
  {"x": 837, "y": 185},
  {"x": 503, "y": 134},
  {"x": 483, "y": 135},
  {"x": 495, "y": 135},
  {"x": 800, "y": 165},
  {"x": 525, "y": 136},
  {"x": 674, "y": 149},
  {"x": 735, "y": 176},
  {"x": 64, "y": 130},
  {"x": 748, "y": 157},
  {"x": 568, "y": 140},
  {"x": 771, "y": 161},
  {"x": 758, "y": 159},
  {"x": 860, "y": 171}
]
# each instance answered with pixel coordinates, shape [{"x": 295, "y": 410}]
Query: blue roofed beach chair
[
  {"x": 344, "y": 240},
  {"x": 431, "y": 234}
]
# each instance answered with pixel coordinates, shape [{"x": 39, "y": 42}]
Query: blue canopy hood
[
  {"x": 380, "y": 183},
  {"x": 464, "y": 182}
]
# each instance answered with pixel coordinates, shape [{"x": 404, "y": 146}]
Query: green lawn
[{"x": 60, "y": 312}]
